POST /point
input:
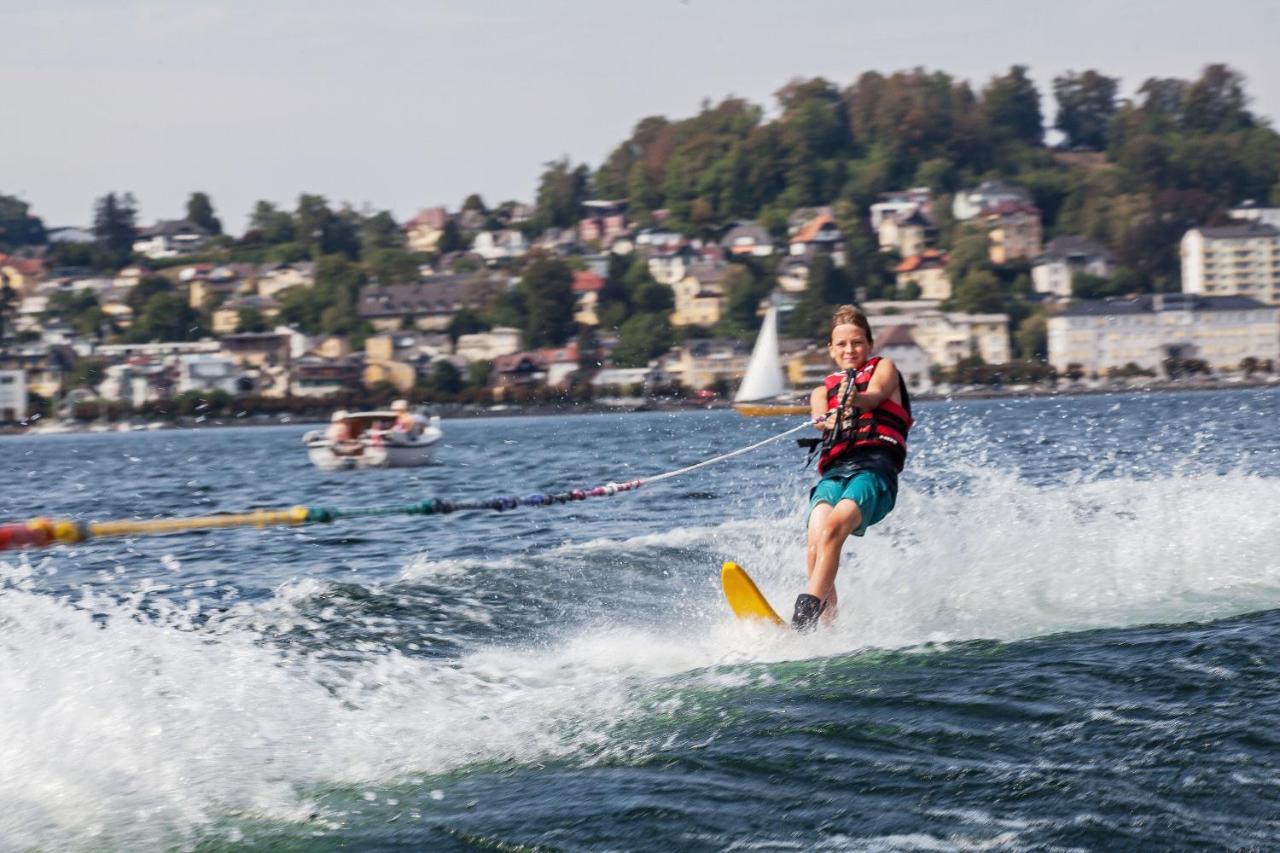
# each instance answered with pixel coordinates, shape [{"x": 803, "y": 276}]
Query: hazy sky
[{"x": 400, "y": 104}]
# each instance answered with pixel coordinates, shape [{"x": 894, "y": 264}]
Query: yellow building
[
  {"x": 1013, "y": 231},
  {"x": 928, "y": 271},
  {"x": 699, "y": 296},
  {"x": 381, "y": 365}
]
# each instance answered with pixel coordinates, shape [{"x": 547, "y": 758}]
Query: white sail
[{"x": 764, "y": 378}]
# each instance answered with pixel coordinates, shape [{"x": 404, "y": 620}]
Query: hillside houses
[{"x": 431, "y": 303}]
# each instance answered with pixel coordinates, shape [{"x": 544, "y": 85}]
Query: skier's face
[{"x": 849, "y": 346}]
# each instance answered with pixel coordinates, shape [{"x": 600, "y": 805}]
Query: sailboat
[{"x": 764, "y": 391}]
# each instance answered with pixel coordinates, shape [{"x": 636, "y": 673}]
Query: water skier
[{"x": 864, "y": 412}]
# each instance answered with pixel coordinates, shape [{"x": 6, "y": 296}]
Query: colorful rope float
[{"x": 42, "y": 532}]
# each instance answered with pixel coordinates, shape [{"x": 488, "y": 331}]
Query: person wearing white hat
[
  {"x": 406, "y": 421},
  {"x": 339, "y": 430}
]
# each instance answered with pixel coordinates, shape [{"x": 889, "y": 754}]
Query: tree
[
  {"x": 641, "y": 338},
  {"x": 1086, "y": 105},
  {"x": 742, "y": 297},
  {"x": 1031, "y": 340},
  {"x": 114, "y": 227},
  {"x": 8, "y": 306},
  {"x": 392, "y": 266},
  {"x": 1216, "y": 102},
  {"x": 80, "y": 309},
  {"x": 1011, "y": 104},
  {"x": 547, "y": 291},
  {"x": 561, "y": 191},
  {"x": 379, "y": 231},
  {"x": 475, "y": 202},
  {"x": 251, "y": 320},
  {"x": 978, "y": 292},
  {"x": 200, "y": 211},
  {"x": 451, "y": 239},
  {"x": 165, "y": 317},
  {"x": 147, "y": 287},
  {"x": 17, "y": 226},
  {"x": 270, "y": 225},
  {"x": 88, "y": 372},
  {"x": 444, "y": 380},
  {"x": 465, "y": 322}
]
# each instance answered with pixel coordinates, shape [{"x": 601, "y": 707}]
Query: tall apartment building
[
  {"x": 1232, "y": 260},
  {"x": 1099, "y": 334}
]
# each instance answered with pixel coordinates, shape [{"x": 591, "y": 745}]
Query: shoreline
[{"x": 456, "y": 411}]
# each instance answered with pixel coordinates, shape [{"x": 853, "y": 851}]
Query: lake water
[{"x": 1063, "y": 637}]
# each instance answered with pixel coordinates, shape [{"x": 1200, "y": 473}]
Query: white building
[
  {"x": 13, "y": 396},
  {"x": 207, "y": 373},
  {"x": 900, "y": 203},
  {"x": 1249, "y": 211},
  {"x": 168, "y": 239},
  {"x": 1063, "y": 258},
  {"x": 487, "y": 346},
  {"x": 1099, "y": 334},
  {"x": 496, "y": 246},
  {"x": 1232, "y": 260},
  {"x": 970, "y": 203},
  {"x": 945, "y": 336},
  {"x": 135, "y": 384},
  {"x": 898, "y": 345}
]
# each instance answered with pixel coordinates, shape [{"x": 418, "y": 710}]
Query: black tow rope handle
[{"x": 816, "y": 445}]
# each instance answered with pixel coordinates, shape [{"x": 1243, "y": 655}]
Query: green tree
[
  {"x": 270, "y": 225},
  {"x": 1011, "y": 105},
  {"x": 561, "y": 191},
  {"x": 78, "y": 308},
  {"x": 1086, "y": 105},
  {"x": 88, "y": 372},
  {"x": 1031, "y": 340},
  {"x": 444, "y": 381},
  {"x": 642, "y": 338},
  {"x": 147, "y": 287},
  {"x": 166, "y": 317},
  {"x": 379, "y": 232},
  {"x": 251, "y": 320},
  {"x": 474, "y": 202},
  {"x": 1217, "y": 101},
  {"x": 547, "y": 290},
  {"x": 115, "y": 228},
  {"x": 465, "y": 322},
  {"x": 742, "y": 297},
  {"x": 392, "y": 266},
  {"x": 978, "y": 292},
  {"x": 200, "y": 211},
  {"x": 8, "y": 307},
  {"x": 451, "y": 239},
  {"x": 17, "y": 226}
]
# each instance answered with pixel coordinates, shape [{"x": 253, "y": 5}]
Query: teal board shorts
[{"x": 868, "y": 489}]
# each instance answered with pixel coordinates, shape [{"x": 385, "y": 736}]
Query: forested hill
[{"x": 1177, "y": 154}]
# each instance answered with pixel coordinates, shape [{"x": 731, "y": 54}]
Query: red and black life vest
[{"x": 885, "y": 427}]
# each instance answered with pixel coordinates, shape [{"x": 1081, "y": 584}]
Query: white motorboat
[{"x": 373, "y": 443}]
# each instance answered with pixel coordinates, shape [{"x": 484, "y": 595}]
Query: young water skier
[{"x": 864, "y": 412}]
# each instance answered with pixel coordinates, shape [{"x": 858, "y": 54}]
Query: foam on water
[{"x": 137, "y": 719}]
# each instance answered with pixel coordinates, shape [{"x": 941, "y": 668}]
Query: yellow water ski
[{"x": 745, "y": 597}]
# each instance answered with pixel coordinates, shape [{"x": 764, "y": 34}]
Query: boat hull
[{"x": 769, "y": 410}]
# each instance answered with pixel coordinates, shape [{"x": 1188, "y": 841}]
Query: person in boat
[
  {"x": 339, "y": 430},
  {"x": 343, "y": 440},
  {"x": 864, "y": 412},
  {"x": 406, "y": 421}
]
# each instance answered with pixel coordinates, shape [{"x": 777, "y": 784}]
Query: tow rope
[{"x": 41, "y": 532}]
